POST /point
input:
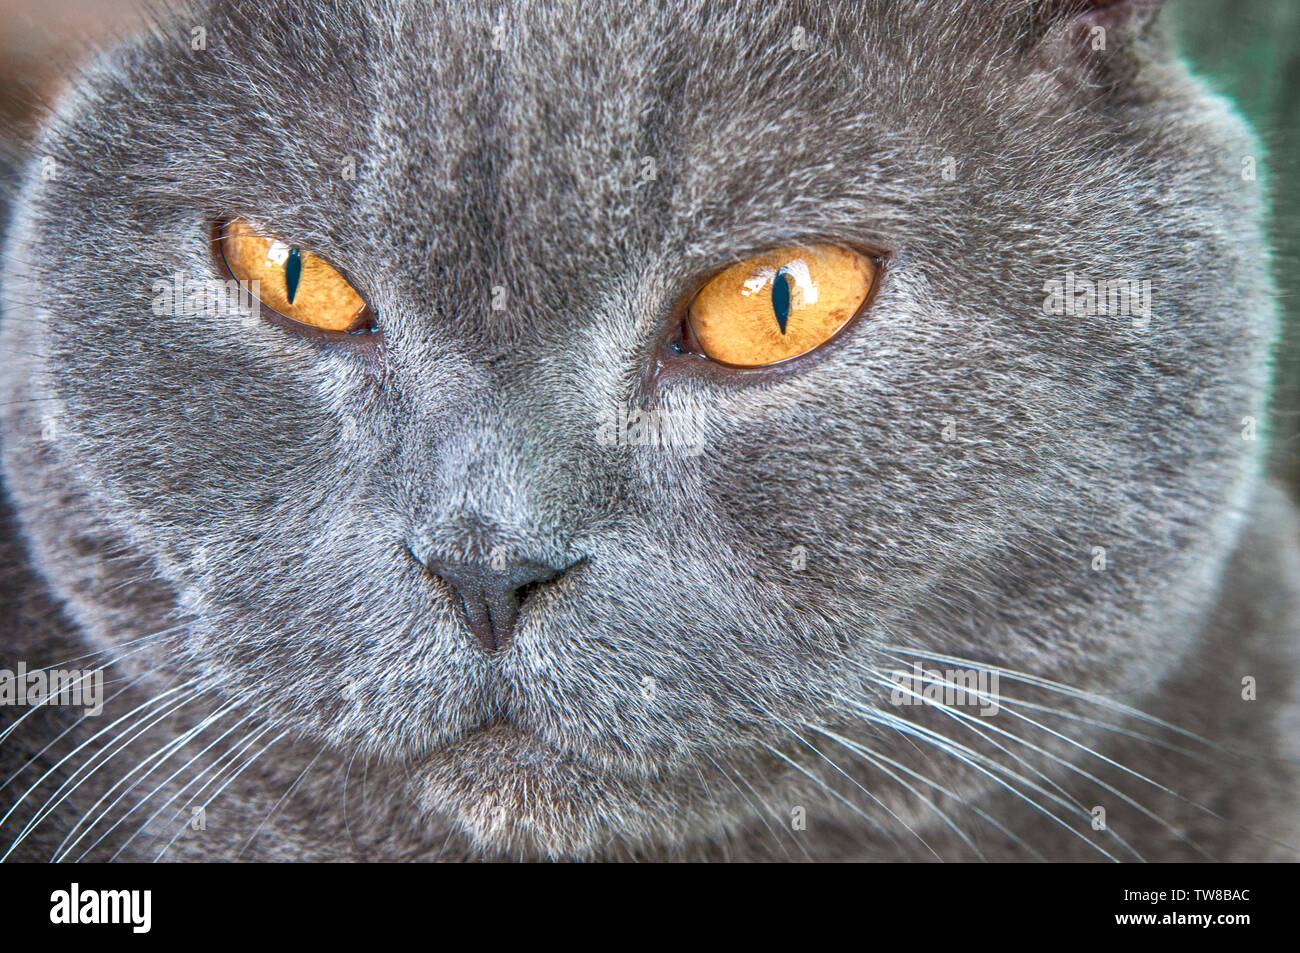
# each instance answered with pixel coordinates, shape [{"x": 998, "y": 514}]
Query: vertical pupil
[
  {"x": 292, "y": 274},
  {"x": 781, "y": 298}
]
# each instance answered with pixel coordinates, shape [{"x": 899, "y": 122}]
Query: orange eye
[
  {"x": 297, "y": 284},
  {"x": 781, "y": 304}
]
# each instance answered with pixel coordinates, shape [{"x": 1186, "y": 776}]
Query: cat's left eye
[
  {"x": 294, "y": 283},
  {"x": 780, "y": 304}
]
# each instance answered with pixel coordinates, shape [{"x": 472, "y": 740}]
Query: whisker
[
  {"x": 1010, "y": 705},
  {"x": 163, "y": 755},
  {"x": 977, "y": 761},
  {"x": 229, "y": 780},
  {"x": 72, "y": 727},
  {"x": 970, "y": 722},
  {"x": 758, "y": 813},
  {"x": 42, "y": 703},
  {"x": 188, "y": 693},
  {"x": 875, "y": 757},
  {"x": 849, "y": 804},
  {"x": 283, "y": 798}
]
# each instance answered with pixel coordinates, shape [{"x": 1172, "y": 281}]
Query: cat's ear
[{"x": 1092, "y": 36}]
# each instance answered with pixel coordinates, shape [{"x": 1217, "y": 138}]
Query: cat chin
[{"x": 514, "y": 795}]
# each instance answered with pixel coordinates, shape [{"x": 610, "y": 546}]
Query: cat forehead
[
  {"x": 573, "y": 76},
  {"x": 566, "y": 79},
  {"x": 606, "y": 118}
]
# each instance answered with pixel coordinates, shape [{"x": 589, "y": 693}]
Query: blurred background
[{"x": 1247, "y": 49}]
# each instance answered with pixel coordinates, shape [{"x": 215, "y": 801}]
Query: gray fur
[{"x": 671, "y": 697}]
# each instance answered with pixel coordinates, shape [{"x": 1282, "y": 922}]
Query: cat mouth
[
  {"x": 501, "y": 744},
  {"x": 515, "y": 794},
  {"x": 508, "y": 738}
]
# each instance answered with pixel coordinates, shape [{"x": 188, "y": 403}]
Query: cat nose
[{"x": 490, "y": 597}]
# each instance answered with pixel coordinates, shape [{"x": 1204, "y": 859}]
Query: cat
[{"x": 996, "y": 573}]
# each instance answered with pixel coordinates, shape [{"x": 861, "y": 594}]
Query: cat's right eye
[{"x": 294, "y": 283}]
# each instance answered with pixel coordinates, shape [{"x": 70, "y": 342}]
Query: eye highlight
[
  {"x": 296, "y": 284},
  {"x": 780, "y": 304}
]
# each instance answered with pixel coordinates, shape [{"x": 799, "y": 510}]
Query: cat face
[{"x": 528, "y": 200}]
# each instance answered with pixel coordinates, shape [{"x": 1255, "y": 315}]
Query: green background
[{"x": 1250, "y": 51}]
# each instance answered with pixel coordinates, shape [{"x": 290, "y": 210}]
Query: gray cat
[{"x": 993, "y": 573}]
